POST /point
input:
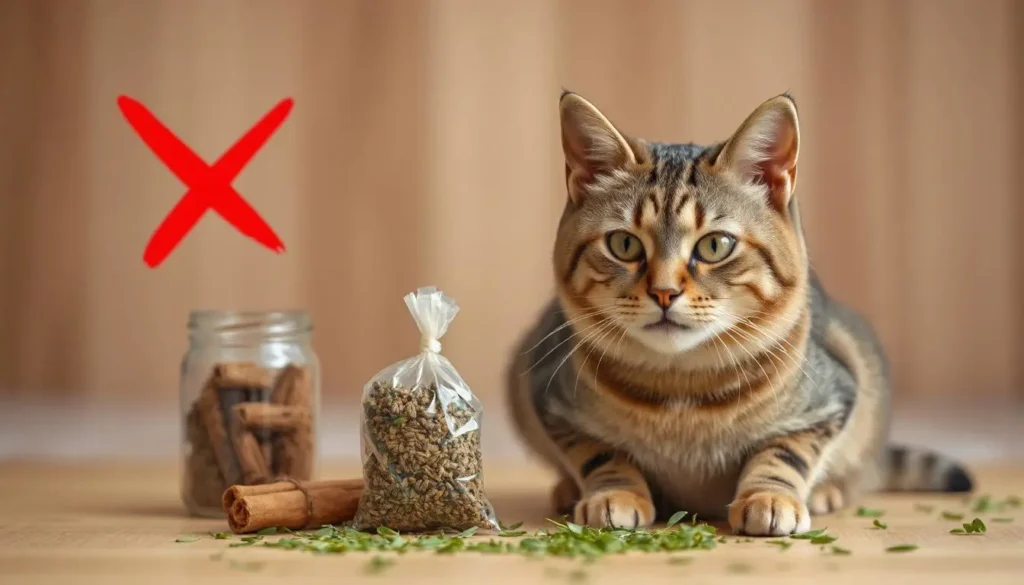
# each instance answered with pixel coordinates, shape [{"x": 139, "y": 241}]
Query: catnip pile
[{"x": 563, "y": 539}]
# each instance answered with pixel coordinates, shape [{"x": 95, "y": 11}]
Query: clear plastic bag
[{"x": 422, "y": 464}]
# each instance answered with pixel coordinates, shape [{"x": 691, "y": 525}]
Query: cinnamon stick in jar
[{"x": 293, "y": 450}]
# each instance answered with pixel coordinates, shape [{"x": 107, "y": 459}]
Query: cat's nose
[{"x": 664, "y": 296}]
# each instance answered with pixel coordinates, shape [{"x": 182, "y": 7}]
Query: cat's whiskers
[
  {"x": 602, "y": 318},
  {"x": 601, "y": 326},
  {"x": 607, "y": 331},
  {"x": 578, "y": 318},
  {"x": 770, "y": 352},
  {"x": 767, "y": 378},
  {"x": 783, "y": 340}
]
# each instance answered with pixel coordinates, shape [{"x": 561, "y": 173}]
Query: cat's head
[{"x": 674, "y": 244}]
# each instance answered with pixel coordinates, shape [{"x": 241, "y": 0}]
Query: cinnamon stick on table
[{"x": 284, "y": 504}]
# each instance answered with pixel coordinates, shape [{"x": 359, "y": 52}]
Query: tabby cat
[{"x": 691, "y": 359}]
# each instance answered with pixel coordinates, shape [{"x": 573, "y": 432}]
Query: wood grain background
[{"x": 423, "y": 149}]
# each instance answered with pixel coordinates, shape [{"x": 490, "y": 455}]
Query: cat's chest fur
[{"x": 692, "y": 457}]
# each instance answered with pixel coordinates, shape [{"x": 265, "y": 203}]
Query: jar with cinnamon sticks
[{"x": 250, "y": 394}]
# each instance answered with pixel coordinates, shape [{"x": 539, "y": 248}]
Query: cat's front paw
[
  {"x": 769, "y": 514},
  {"x": 616, "y": 509},
  {"x": 825, "y": 499}
]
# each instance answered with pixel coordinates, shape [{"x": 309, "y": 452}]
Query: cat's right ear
[{"x": 592, "y": 145}]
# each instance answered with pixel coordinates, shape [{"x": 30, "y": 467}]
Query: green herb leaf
[
  {"x": 268, "y": 531},
  {"x": 723, "y": 540},
  {"x": 984, "y": 504},
  {"x": 385, "y": 531},
  {"x": 325, "y": 531},
  {"x": 927, "y": 509},
  {"x": 676, "y": 518},
  {"x": 512, "y": 527},
  {"x": 952, "y": 516},
  {"x": 398, "y": 421},
  {"x": 879, "y": 524},
  {"x": 1003, "y": 520},
  {"x": 574, "y": 528},
  {"x": 468, "y": 532},
  {"x": 378, "y": 564},
  {"x": 220, "y": 535},
  {"x": 841, "y": 551},
  {"x": 824, "y": 539},
  {"x": 870, "y": 513},
  {"x": 902, "y": 548},
  {"x": 189, "y": 538},
  {"x": 975, "y": 527},
  {"x": 958, "y": 531},
  {"x": 810, "y": 534},
  {"x": 782, "y": 544},
  {"x": 512, "y": 533}
]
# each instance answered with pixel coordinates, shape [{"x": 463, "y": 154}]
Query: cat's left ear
[{"x": 765, "y": 148}]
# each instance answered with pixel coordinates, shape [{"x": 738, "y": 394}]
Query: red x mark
[{"x": 209, "y": 187}]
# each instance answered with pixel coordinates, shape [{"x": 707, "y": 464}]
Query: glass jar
[{"x": 250, "y": 401}]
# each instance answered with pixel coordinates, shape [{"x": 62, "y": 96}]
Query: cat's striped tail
[{"x": 912, "y": 469}]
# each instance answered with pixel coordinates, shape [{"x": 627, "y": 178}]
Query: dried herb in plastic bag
[{"x": 422, "y": 463}]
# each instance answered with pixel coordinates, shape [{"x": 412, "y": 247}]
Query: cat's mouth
[{"x": 666, "y": 325}]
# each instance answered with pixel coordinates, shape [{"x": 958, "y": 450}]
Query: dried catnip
[{"x": 422, "y": 462}]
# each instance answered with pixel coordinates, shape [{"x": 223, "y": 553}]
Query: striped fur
[{"x": 673, "y": 379}]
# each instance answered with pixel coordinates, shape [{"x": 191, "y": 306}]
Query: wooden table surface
[{"x": 117, "y": 523}]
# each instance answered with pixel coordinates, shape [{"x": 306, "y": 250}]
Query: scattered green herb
[
  {"x": 268, "y": 531},
  {"x": 958, "y": 531},
  {"x": 782, "y": 544},
  {"x": 220, "y": 535},
  {"x": 1013, "y": 501},
  {"x": 984, "y": 504},
  {"x": 190, "y": 538},
  {"x": 839, "y": 551},
  {"x": 902, "y": 548},
  {"x": 723, "y": 540},
  {"x": 247, "y": 541},
  {"x": 1002, "y": 520},
  {"x": 824, "y": 539},
  {"x": 870, "y": 513},
  {"x": 975, "y": 527},
  {"x": 676, "y": 519},
  {"x": 810, "y": 534},
  {"x": 952, "y": 516},
  {"x": 680, "y": 560},
  {"x": 398, "y": 421},
  {"x": 927, "y": 509},
  {"x": 378, "y": 564},
  {"x": 879, "y": 524},
  {"x": 566, "y": 540}
]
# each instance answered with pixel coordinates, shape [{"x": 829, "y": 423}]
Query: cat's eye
[
  {"x": 625, "y": 246},
  {"x": 714, "y": 248}
]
